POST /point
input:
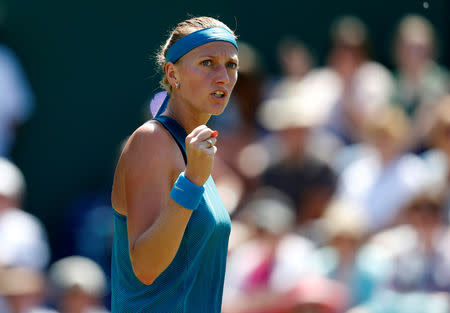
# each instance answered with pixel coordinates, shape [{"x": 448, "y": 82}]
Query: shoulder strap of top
[{"x": 176, "y": 130}]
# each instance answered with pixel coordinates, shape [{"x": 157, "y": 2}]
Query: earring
[{"x": 177, "y": 85}]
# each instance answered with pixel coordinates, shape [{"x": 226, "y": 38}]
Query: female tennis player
[{"x": 171, "y": 228}]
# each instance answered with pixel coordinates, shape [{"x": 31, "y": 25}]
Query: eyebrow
[{"x": 234, "y": 58}]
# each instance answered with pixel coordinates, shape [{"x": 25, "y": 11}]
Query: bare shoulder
[
  {"x": 150, "y": 142},
  {"x": 150, "y": 156}
]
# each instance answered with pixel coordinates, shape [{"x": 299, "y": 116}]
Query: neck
[
  {"x": 7, "y": 203},
  {"x": 414, "y": 72},
  {"x": 185, "y": 114}
]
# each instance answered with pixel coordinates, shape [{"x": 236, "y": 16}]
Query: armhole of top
[
  {"x": 180, "y": 146},
  {"x": 119, "y": 215}
]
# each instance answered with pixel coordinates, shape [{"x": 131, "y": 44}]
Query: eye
[
  {"x": 206, "y": 62},
  {"x": 232, "y": 65}
]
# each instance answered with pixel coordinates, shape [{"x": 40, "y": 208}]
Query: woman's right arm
[{"x": 156, "y": 223}]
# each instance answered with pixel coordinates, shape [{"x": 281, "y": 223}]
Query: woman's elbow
[
  {"x": 143, "y": 269},
  {"x": 144, "y": 273},
  {"x": 145, "y": 278}
]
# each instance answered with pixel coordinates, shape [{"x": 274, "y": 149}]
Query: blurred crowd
[{"x": 336, "y": 177}]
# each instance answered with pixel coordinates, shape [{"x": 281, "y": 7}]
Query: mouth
[{"x": 219, "y": 94}]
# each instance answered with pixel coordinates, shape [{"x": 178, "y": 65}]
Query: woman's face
[
  {"x": 412, "y": 55},
  {"x": 207, "y": 75}
]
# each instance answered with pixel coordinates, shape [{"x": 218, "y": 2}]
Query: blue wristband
[{"x": 186, "y": 193}]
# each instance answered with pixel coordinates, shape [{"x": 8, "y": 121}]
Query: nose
[{"x": 222, "y": 76}]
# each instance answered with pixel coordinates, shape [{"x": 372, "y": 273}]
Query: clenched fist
[{"x": 200, "y": 150}]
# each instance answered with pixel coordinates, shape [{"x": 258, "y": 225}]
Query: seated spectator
[
  {"x": 24, "y": 290},
  {"x": 292, "y": 164},
  {"x": 352, "y": 85},
  {"x": 23, "y": 237},
  {"x": 421, "y": 259},
  {"x": 78, "y": 285},
  {"x": 345, "y": 226},
  {"x": 385, "y": 180},
  {"x": 420, "y": 81}
]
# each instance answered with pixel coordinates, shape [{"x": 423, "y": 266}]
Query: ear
[{"x": 172, "y": 74}]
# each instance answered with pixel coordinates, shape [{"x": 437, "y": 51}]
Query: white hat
[
  {"x": 12, "y": 182},
  {"x": 343, "y": 217},
  {"x": 305, "y": 104},
  {"x": 78, "y": 272},
  {"x": 271, "y": 210}
]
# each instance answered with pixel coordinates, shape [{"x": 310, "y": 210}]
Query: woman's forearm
[{"x": 154, "y": 250}]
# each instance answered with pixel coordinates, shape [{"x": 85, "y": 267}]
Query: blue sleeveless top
[{"x": 193, "y": 282}]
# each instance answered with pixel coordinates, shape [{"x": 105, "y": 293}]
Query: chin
[
  {"x": 217, "y": 109},
  {"x": 220, "y": 111}
]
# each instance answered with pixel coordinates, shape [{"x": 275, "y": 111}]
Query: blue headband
[{"x": 198, "y": 38}]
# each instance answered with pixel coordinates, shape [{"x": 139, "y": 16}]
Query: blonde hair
[
  {"x": 391, "y": 121},
  {"x": 415, "y": 27},
  {"x": 182, "y": 29}
]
